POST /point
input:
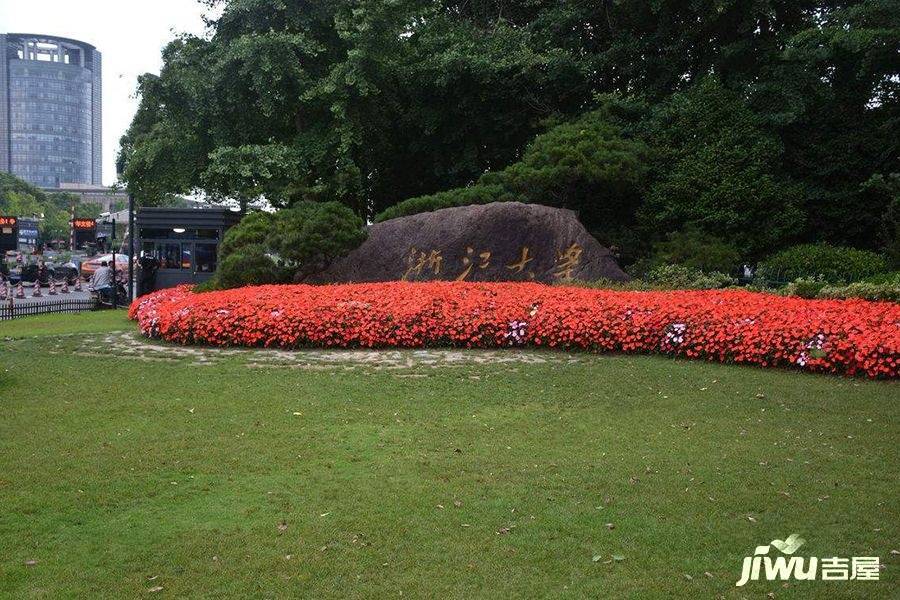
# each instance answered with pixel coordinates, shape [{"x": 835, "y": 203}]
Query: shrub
[
  {"x": 250, "y": 266},
  {"x": 805, "y": 287},
  {"x": 831, "y": 264},
  {"x": 836, "y": 336},
  {"x": 309, "y": 236},
  {"x": 291, "y": 244},
  {"x": 678, "y": 277},
  {"x": 861, "y": 289},
  {"x": 889, "y": 278},
  {"x": 253, "y": 230},
  {"x": 695, "y": 249},
  {"x": 587, "y": 165},
  {"x": 475, "y": 194}
]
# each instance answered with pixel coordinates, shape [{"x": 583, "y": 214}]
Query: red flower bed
[{"x": 835, "y": 336}]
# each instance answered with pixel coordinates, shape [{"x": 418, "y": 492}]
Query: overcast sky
[{"x": 129, "y": 33}]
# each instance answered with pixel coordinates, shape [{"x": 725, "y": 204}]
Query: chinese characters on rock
[{"x": 431, "y": 262}]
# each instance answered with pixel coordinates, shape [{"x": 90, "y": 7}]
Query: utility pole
[
  {"x": 115, "y": 285},
  {"x": 131, "y": 247}
]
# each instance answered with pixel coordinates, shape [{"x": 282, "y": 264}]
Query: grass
[
  {"x": 65, "y": 324},
  {"x": 119, "y": 476}
]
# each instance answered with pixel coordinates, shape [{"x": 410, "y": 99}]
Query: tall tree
[{"x": 370, "y": 102}]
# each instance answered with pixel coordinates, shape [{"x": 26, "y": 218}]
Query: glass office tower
[{"x": 50, "y": 110}]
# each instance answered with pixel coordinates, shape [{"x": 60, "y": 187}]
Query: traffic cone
[
  {"x": 52, "y": 291},
  {"x": 20, "y": 291},
  {"x": 36, "y": 291},
  {"x": 65, "y": 287}
]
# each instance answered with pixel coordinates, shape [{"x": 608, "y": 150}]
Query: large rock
[{"x": 502, "y": 241}]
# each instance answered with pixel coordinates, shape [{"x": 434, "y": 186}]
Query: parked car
[
  {"x": 89, "y": 266},
  {"x": 67, "y": 271}
]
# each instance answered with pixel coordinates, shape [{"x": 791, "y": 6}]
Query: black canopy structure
[{"x": 179, "y": 245}]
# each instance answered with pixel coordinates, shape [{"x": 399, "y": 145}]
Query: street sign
[{"x": 9, "y": 234}]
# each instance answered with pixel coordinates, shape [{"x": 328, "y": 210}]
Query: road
[{"x": 84, "y": 295}]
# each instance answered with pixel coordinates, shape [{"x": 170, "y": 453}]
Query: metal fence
[{"x": 27, "y": 309}]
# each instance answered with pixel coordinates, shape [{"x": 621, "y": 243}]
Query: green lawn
[
  {"x": 87, "y": 322},
  {"x": 119, "y": 476}
]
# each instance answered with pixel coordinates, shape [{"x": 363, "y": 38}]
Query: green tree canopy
[
  {"x": 21, "y": 199},
  {"x": 375, "y": 101},
  {"x": 717, "y": 169}
]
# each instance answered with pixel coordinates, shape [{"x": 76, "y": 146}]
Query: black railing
[{"x": 27, "y": 309}]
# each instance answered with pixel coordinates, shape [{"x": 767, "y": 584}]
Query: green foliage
[
  {"x": 88, "y": 210},
  {"x": 475, "y": 194},
  {"x": 252, "y": 171},
  {"x": 805, "y": 287},
  {"x": 309, "y": 236},
  {"x": 665, "y": 277},
  {"x": 678, "y": 277},
  {"x": 253, "y": 230},
  {"x": 841, "y": 74},
  {"x": 718, "y": 170},
  {"x": 861, "y": 289},
  {"x": 695, "y": 249},
  {"x": 21, "y": 199},
  {"x": 881, "y": 287},
  {"x": 891, "y": 278},
  {"x": 885, "y": 191},
  {"x": 764, "y": 123},
  {"x": 250, "y": 266},
  {"x": 831, "y": 264},
  {"x": 289, "y": 245},
  {"x": 586, "y": 165}
]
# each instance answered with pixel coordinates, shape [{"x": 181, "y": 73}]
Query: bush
[
  {"x": 831, "y": 264},
  {"x": 587, "y": 165},
  {"x": 476, "y": 194},
  {"x": 889, "y": 278},
  {"x": 864, "y": 290},
  {"x": 695, "y": 249},
  {"x": 253, "y": 230},
  {"x": 250, "y": 266},
  {"x": 805, "y": 288},
  {"x": 847, "y": 337},
  {"x": 663, "y": 277},
  {"x": 678, "y": 277},
  {"x": 289, "y": 245},
  {"x": 309, "y": 236}
]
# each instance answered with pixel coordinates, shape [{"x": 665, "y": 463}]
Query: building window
[{"x": 206, "y": 258}]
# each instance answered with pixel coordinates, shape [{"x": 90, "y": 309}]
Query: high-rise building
[{"x": 50, "y": 110}]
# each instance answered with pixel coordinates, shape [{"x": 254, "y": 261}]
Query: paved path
[{"x": 129, "y": 345}]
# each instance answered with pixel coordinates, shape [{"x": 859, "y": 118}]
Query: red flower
[{"x": 835, "y": 336}]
